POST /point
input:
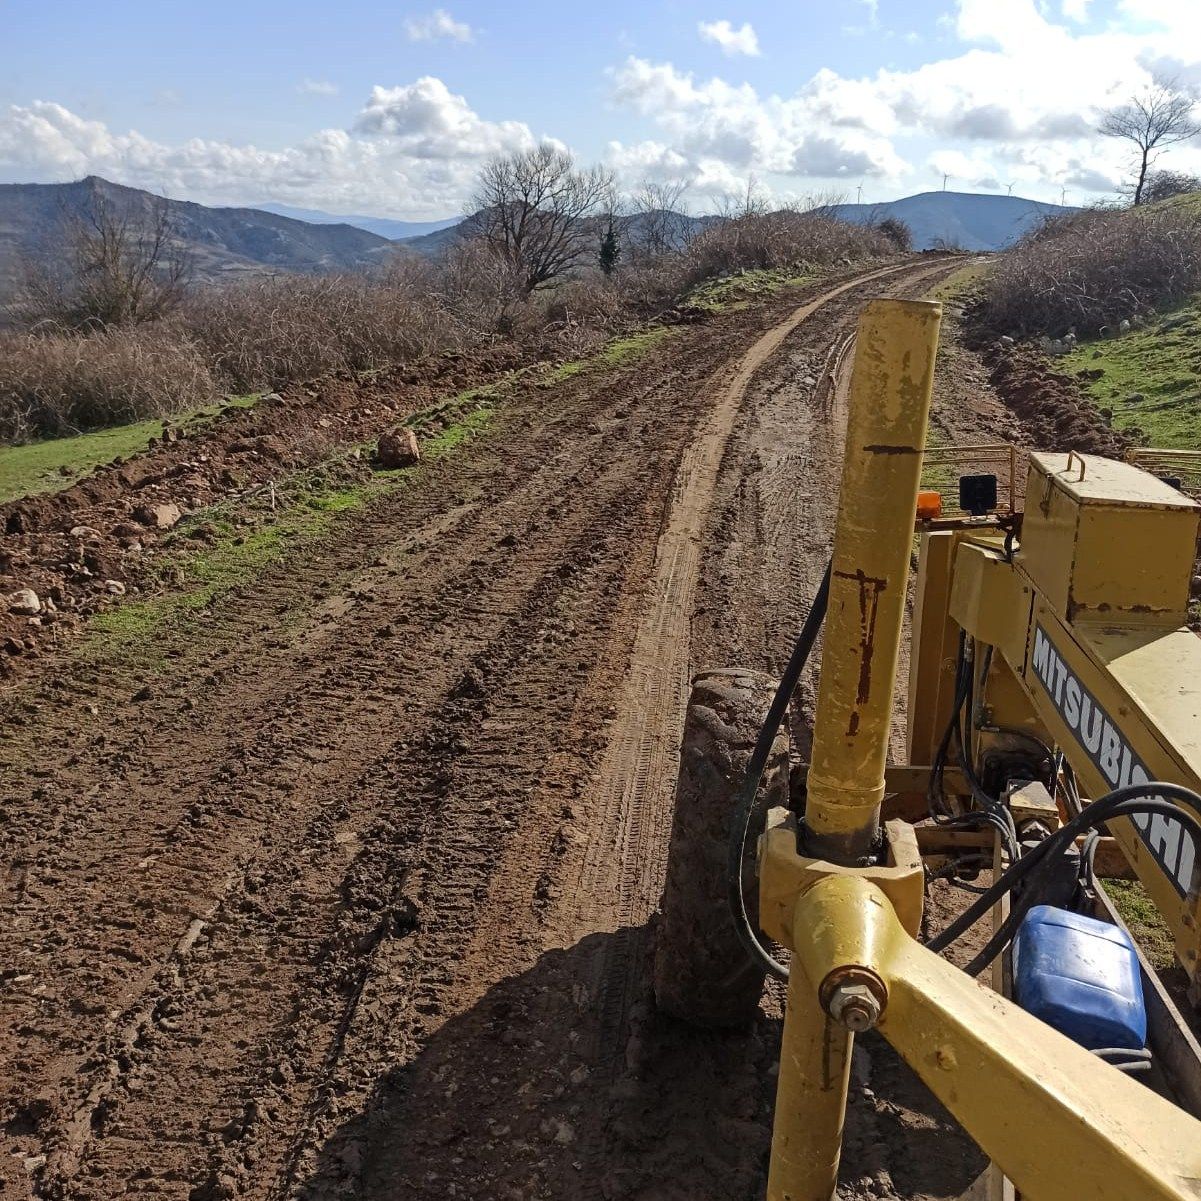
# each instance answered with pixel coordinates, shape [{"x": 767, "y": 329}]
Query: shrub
[
  {"x": 62, "y": 384},
  {"x": 898, "y": 234},
  {"x": 1090, "y": 270},
  {"x": 1163, "y": 185},
  {"x": 268, "y": 332},
  {"x": 781, "y": 239}
]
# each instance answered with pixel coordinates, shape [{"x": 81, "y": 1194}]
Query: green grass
[
  {"x": 1162, "y": 365},
  {"x": 734, "y": 292},
  {"x": 236, "y": 556},
  {"x": 1146, "y": 923},
  {"x": 617, "y": 352},
  {"x": 57, "y": 463},
  {"x": 1189, "y": 203},
  {"x": 958, "y": 284}
]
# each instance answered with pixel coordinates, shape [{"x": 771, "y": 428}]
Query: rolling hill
[
  {"x": 386, "y": 227},
  {"x": 967, "y": 220},
  {"x": 225, "y": 242}
]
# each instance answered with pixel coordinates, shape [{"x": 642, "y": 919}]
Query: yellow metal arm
[{"x": 1059, "y": 1122}]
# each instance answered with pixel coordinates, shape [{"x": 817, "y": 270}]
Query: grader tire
[{"x": 702, "y": 974}]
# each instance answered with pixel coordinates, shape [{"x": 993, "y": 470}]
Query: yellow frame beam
[{"x": 1059, "y": 1122}]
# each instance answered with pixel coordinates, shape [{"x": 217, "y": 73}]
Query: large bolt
[{"x": 854, "y": 1006}]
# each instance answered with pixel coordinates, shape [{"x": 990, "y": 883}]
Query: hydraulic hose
[
  {"x": 741, "y": 820},
  {"x": 1152, "y": 797}
]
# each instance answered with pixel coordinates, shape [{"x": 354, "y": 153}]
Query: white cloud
[
  {"x": 427, "y": 120},
  {"x": 1018, "y": 101},
  {"x": 435, "y": 25},
  {"x": 317, "y": 87},
  {"x": 732, "y": 41},
  {"x": 826, "y": 130},
  {"x": 413, "y": 151}
]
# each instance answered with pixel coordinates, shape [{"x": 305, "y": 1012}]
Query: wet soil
[{"x": 349, "y": 889}]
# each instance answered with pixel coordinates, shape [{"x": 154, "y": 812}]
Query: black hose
[
  {"x": 1122, "y": 802},
  {"x": 1035, "y": 886},
  {"x": 741, "y": 820}
]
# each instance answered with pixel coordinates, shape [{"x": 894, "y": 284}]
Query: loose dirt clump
[
  {"x": 81, "y": 548},
  {"x": 1054, "y": 411}
]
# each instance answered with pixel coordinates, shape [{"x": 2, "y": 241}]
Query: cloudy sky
[{"x": 364, "y": 107}]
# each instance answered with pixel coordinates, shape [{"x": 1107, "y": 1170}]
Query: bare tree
[
  {"x": 660, "y": 218},
  {"x": 752, "y": 201},
  {"x": 1160, "y": 117},
  {"x": 534, "y": 211},
  {"x": 117, "y": 267}
]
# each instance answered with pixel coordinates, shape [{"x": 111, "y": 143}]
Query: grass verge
[
  {"x": 234, "y": 551},
  {"x": 960, "y": 283},
  {"x": 1146, "y": 924},
  {"x": 236, "y": 554},
  {"x": 1149, "y": 379},
  {"x": 57, "y": 463},
  {"x": 733, "y": 292},
  {"x": 617, "y": 352}
]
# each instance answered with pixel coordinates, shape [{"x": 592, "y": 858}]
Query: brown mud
[{"x": 349, "y": 889}]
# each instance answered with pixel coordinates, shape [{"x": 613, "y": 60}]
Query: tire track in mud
[
  {"x": 638, "y": 772},
  {"x": 254, "y": 776},
  {"x": 377, "y": 834}
]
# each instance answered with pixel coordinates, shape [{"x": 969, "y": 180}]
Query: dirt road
[{"x": 346, "y": 890}]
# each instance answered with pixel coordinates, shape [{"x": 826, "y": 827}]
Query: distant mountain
[
  {"x": 673, "y": 224},
  {"x": 437, "y": 240},
  {"x": 384, "y": 226},
  {"x": 968, "y": 220},
  {"x": 226, "y": 242}
]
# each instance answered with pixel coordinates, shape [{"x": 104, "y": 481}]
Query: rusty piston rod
[{"x": 891, "y": 383}]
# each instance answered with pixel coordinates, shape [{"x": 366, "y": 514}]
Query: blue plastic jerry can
[{"x": 1081, "y": 976}]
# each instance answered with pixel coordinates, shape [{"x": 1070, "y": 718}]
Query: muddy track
[{"x": 346, "y": 890}]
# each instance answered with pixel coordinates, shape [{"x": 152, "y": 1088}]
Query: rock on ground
[{"x": 398, "y": 448}]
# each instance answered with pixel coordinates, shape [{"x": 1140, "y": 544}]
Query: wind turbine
[
  {"x": 859, "y": 193},
  {"x": 944, "y": 181},
  {"x": 1063, "y": 196},
  {"x": 1009, "y": 188}
]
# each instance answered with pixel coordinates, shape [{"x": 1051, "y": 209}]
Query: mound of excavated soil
[
  {"x": 1052, "y": 407},
  {"x": 82, "y": 548}
]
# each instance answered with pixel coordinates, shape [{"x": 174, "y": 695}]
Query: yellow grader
[{"x": 1053, "y": 723}]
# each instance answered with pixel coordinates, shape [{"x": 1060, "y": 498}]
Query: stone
[
  {"x": 84, "y": 531},
  {"x": 158, "y": 517},
  {"x": 1135, "y": 398},
  {"x": 1006, "y": 341},
  {"x": 398, "y": 448},
  {"x": 24, "y": 603},
  {"x": 115, "y": 587}
]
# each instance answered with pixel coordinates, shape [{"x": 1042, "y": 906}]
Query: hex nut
[{"x": 855, "y": 1007}]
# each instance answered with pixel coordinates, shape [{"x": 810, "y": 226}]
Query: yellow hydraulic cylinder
[{"x": 886, "y": 434}]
